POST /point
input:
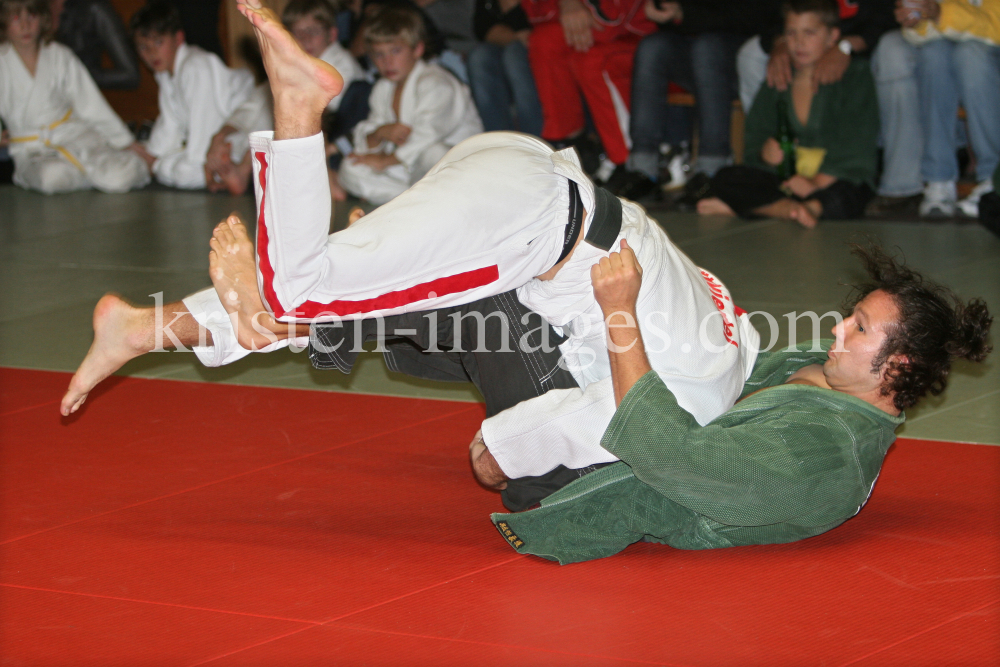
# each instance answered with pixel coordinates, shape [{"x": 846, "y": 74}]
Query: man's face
[
  {"x": 312, "y": 35},
  {"x": 23, "y": 28},
  {"x": 859, "y": 340},
  {"x": 396, "y": 59},
  {"x": 159, "y": 51},
  {"x": 808, "y": 38}
]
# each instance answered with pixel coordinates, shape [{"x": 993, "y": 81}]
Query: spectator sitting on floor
[
  {"x": 585, "y": 47},
  {"x": 499, "y": 71},
  {"x": 198, "y": 93},
  {"x": 63, "y": 134},
  {"x": 418, "y": 111},
  {"x": 958, "y": 57},
  {"x": 868, "y": 32},
  {"x": 695, "y": 48},
  {"x": 836, "y": 125},
  {"x": 313, "y": 24}
]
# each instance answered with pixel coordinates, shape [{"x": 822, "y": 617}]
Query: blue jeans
[
  {"x": 704, "y": 64},
  {"x": 951, "y": 72},
  {"x": 496, "y": 75}
]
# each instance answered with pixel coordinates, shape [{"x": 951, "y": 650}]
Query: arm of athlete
[{"x": 617, "y": 279}]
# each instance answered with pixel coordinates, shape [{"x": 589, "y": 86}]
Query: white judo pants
[
  {"x": 97, "y": 165},
  {"x": 487, "y": 219}
]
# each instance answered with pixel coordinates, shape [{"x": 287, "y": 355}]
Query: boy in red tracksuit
[{"x": 585, "y": 46}]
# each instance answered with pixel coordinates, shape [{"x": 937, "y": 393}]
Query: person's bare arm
[
  {"x": 779, "y": 66},
  {"x": 616, "y": 280},
  {"x": 669, "y": 11}
]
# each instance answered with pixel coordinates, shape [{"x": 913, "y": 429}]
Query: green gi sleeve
[{"x": 781, "y": 464}]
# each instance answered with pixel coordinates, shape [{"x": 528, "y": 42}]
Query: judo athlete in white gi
[
  {"x": 64, "y": 135},
  {"x": 197, "y": 94},
  {"x": 418, "y": 110},
  {"x": 497, "y": 213}
]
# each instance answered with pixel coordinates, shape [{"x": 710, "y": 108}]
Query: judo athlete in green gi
[{"x": 797, "y": 455}]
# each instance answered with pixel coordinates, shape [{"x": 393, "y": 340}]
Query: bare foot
[
  {"x": 801, "y": 214},
  {"x": 302, "y": 85},
  {"x": 233, "y": 269},
  {"x": 714, "y": 206},
  {"x": 789, "y": 209},
  {"x": 336, "y": 189},
  {"x": 120, "y": 334},
  {"x": 236, "y": 177},
  {"x": 356, "y": 214}
]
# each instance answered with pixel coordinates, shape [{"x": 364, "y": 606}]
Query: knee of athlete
[{"x": 55, "y": 176}]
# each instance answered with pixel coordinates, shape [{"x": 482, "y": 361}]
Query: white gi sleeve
[
  {"x": 89, "y": 104},
  {"x": 207, "y": 310},
  {"x": 379, "y": 114},
  {"x": 562, "y": 426}
]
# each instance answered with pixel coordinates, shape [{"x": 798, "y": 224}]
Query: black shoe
[
  {"x": 697, "y": 188},
  {"x": 630, "y": 184},
  {"x": 589, "y": 151},
  {"x": 894, "y": 207}
]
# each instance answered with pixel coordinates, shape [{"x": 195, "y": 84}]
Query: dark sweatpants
[
  {"x": 746, "y": 189},
  {"x": 509, "y": 365}
]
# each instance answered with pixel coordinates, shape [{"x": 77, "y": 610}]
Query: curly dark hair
[{"x": 934, "y": 327}]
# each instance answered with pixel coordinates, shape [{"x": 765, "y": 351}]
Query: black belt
[{"x": 604, "y": 228}]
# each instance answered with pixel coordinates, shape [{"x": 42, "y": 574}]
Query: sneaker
[
  {"x": 969, "y": 206},
  {"x": 892, "y": 207},
  {"x": 675, "y": 162},
  {"x": 939, "y": 200},
  {"x": 630, "y": 184}
]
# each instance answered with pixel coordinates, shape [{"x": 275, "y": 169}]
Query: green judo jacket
[{"x": 784, "y": 464}]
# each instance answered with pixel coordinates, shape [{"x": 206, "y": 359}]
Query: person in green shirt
[
  {"x": 830, "y": 169},
  {"x": 796, "y": 456}
]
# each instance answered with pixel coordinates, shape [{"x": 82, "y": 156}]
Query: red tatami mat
[{"x": 176, "y": 523}]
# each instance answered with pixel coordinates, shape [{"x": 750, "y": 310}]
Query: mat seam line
[
  {"x": 513, "y": 646},
  {"x": 922, "y": 632},
  {"x": 238, "y": 475},
  {"x": 358, "y": 611},
  {"x": 30, "y": 407},
  {"x": 161, "y": 604}
]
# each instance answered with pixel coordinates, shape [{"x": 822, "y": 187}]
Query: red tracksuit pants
[{"x": 603, "y": 74}]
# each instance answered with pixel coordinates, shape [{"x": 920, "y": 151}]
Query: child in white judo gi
[
  {"x": 63, "y": 134},
  {"x": 418, "y": 111},
  {"x": 313, "y": 24},
  {"x": 198, "y": 93}
]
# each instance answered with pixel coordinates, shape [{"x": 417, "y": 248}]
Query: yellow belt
[{"x": 37, "y": 137}]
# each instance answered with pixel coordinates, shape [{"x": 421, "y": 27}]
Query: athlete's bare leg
[
  {"x": 123, "y": 332},
  {"x": 233, "y": 270},
  {"x": 302, "y": 86}
]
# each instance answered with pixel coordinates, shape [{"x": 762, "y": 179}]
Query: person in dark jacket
[{"x": 92, "y": 28}]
